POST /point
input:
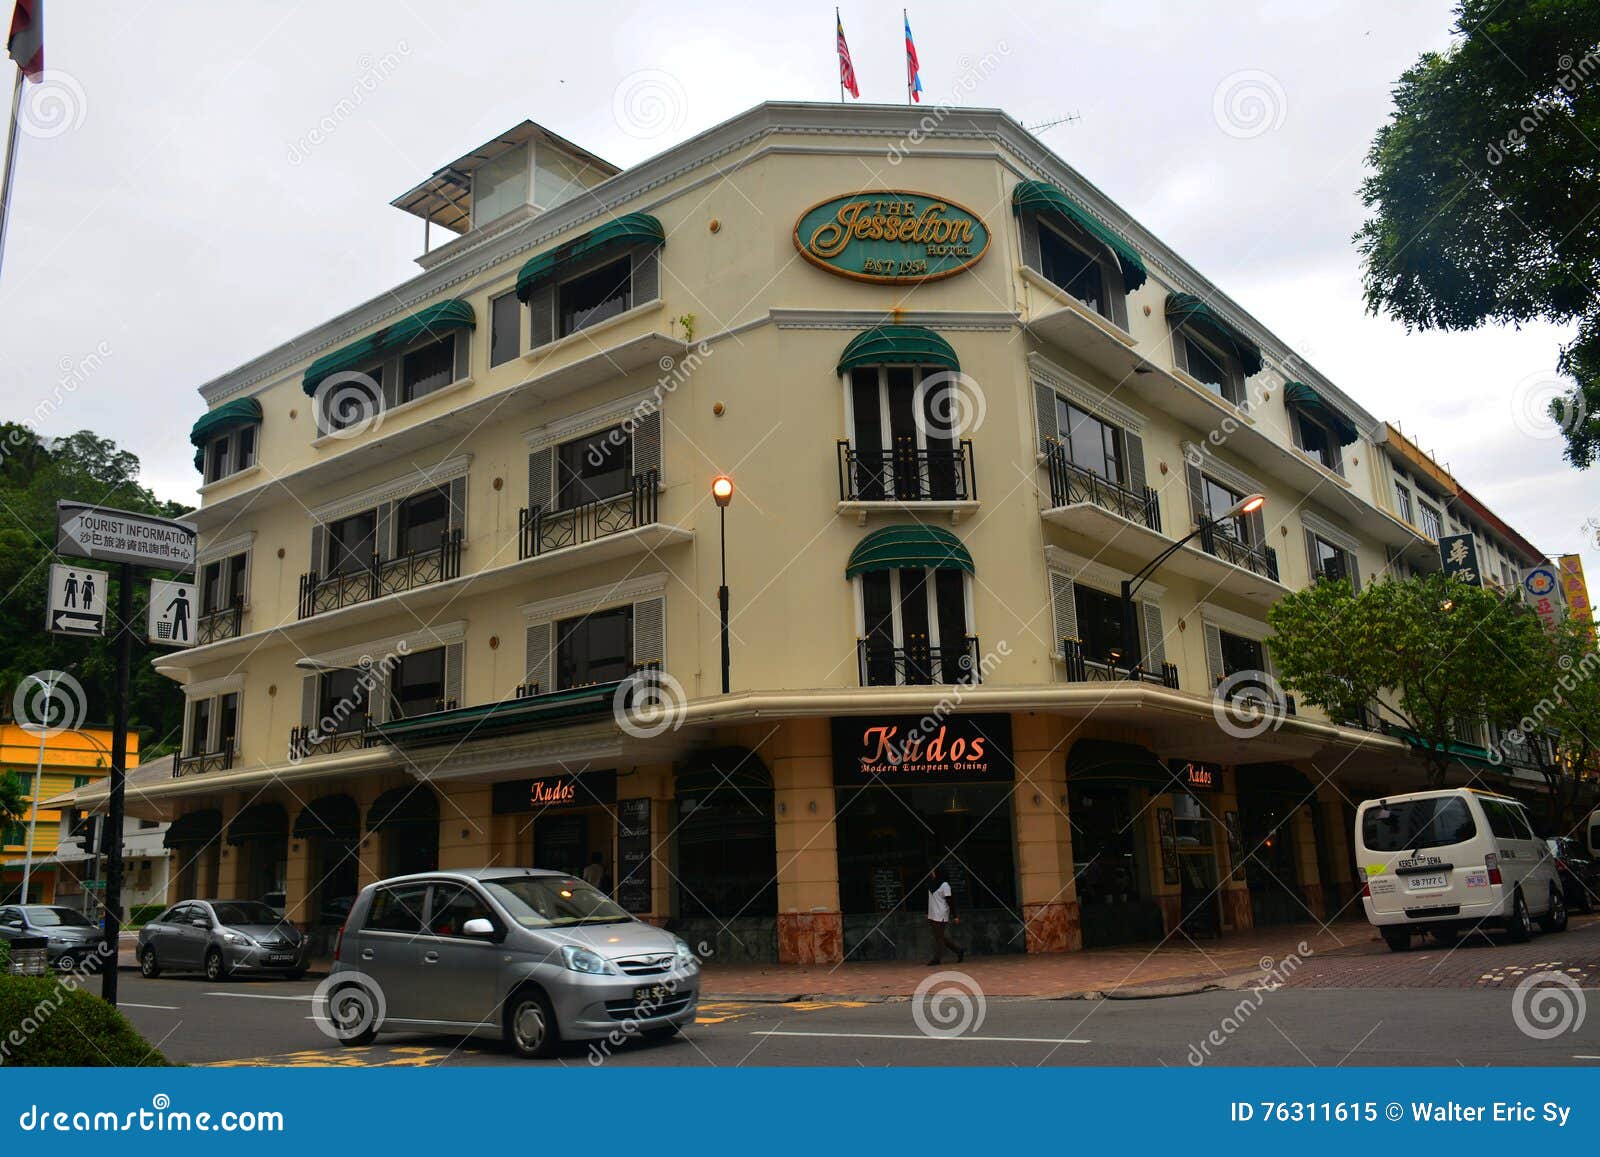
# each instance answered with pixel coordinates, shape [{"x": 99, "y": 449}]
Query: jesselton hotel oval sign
[{"x": 892, "y": 237}]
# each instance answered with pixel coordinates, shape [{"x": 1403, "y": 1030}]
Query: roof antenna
[{"x": 1045, "y": 126}]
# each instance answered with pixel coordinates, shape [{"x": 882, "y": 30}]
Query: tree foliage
[
  {"x": 1485, "y": 184},
  {"x": 1564, "y": 687},
  {"x": 33, "y": 475},
  {"x": 1429, "y": 651}
]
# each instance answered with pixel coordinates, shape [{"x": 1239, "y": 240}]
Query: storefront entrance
[
  {"x": 1114, "y": 904},
  {"x": 407, "y": 821},
  {"x": 725, "y": 848},
  {"x": 1269, "y": 796},
  {"x": 574, "y": 826},
  {"x": 1196, "y": 831}
]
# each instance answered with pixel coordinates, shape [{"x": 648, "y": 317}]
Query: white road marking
[
  {"x": 1584, "y": 1057},
  {"x": 164, "y": 1007},
  {"x": 261, "y": 995},
  {"x": 1031, "y": 1040}
]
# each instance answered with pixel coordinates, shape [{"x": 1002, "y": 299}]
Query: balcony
[
  {"x": 918, "y": 664},
  {"x": 1258, "y": 560},
  {"x": 540, "y": 531},
  {"x": 1072, "y": 485},
  {"x": 354, "y": 734},
  {"x": 1082, "y": 669},
  {"x": 938, "y": 477},
  {"x": 215, "y": 626},
  {"x": 200, "y": 762},
  {"x": 381, "y": 577}
]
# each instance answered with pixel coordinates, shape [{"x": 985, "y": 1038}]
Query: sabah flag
[
  {"x": 913, "y": 73},
  {"x": 26, "y": 42}
]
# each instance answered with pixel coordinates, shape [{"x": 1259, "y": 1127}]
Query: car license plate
[
  {"x": 1431, "y": 880},
  {"x": 653, "y": 993},
  {"x": 281, "y": 958}
]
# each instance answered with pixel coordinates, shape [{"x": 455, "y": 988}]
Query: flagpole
[
  {"x": 838, "y": 24},
  {"x": 11, "y": 162}
]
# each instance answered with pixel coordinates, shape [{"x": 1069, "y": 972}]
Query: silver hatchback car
[
  {"x": 221, "y": 938},
  {"x": 532, "y": 957}
]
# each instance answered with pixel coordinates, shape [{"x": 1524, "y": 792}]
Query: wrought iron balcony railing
[
  {"x": 200, "y": 762},
  {"x": 1082, "y": 669},
  {"x": 1071, "y": 484},
  {"x": 381, "y": 576},
  {"x": 907, "y": 473},
  {"x": 918, "y": 663},
  {"x": 224, "y": 623},
  {"x": 352, "y": 734},
  {"x": 540, "y": 530},
  {"x": 1261, "y": 560}
]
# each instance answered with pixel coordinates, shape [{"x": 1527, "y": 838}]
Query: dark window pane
[
  {"x": 505, "y": 326},
  {"x": 200, "y": 726},
  {"x": 595, "y": 296},
  {"x": 236, "y": 576},
  {"x": 216, "y": 459},
  {"x": 351, "y": 542},
  {"x": 1220, "y": 499},
  {"x": 211, "y": 589},
  {"x": 727, "y": 845},
  {"x": 594, "y": 649},
  {"x": 1073, "y": 269},
  {"x": 452, "y": 907},
  {"x": 1207, "y": 368},
  {"x": 417, "y": 686},
  {"x": 354, "y": 400},
  {"x": 1091, "y": 444},
  {"x": 398, "y": 909},
  {"x": 950, "y": 590},
  {"x": 344, "y": 701},
  {"x": 1100, "y": 624},
  {"x": 593, "y": 467},
  {"x": 247, "y": 447},
  {"x": 421, "y": 520},
  {"x": 1241, "y": 654},
  {"x": 426, "y": 369}
]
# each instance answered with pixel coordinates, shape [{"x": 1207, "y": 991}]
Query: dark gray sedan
[
  {"x": 71, "y": 938},
  {"x": 221, "y": 938}
]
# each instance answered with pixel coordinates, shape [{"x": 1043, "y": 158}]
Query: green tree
[
  {"x": 1429, "y": 652},
  {"x": 14, "y": 797},
  {"x": 1484, "y": 187},
  {"x": 1564, "y": 687}
]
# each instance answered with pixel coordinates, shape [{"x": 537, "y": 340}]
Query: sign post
[{"x": 132, "y": 541}]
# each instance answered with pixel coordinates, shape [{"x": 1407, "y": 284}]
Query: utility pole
[{"x": 119, "y": 780}]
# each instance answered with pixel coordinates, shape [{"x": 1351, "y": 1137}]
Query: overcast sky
[{"x": 179, "y": 210}]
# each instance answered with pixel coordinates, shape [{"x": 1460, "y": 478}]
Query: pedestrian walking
[{"x": 941, "y": 914}]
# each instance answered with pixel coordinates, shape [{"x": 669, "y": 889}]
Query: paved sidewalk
[{"x": 1178, "y": 966}]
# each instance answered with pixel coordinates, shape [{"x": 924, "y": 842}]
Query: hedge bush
[
  {"x": 5, "y": 956},
  {"x": 141, "y": 914},
  {"x": 45, "y": 1022}
]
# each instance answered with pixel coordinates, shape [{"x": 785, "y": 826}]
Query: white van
[{"x": 1454, "y": 860}]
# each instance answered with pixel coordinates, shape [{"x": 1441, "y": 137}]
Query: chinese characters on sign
[
  {"x": 1576, "y": 590},
  {"x": 1460, "y": 557},
  {"x": 1541, "y": 589},
  {"x": 85, "y": 531}
]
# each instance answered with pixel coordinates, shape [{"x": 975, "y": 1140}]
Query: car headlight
[
  {"x": 586, "y": 960},
  {"x": 686, "y": 956},
  {"x": 59, "y": 940},
  {"x": 239, "y": 938}
]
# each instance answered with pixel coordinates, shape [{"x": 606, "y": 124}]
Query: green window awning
[
  {"x": 228, "y": 416},
  {"x": 910, "y": 545},
  {"x": 1190, "y": 310},
  {"x": 1043, "y": 197},
  {"x": 413, "y": 804},
  {"x": 193, "y": 829},
  {"x": 1114, "y": 764},
  {"x": 898, "y": 345},
  {"x": 438, "y": 320},
  {"x": 508, "y": 716},
  {"x": 734, "y": 769},
  {"x": 621, "y": 233},
  {"x": 1301, "y": 395},
  {"x": 1469, "y": 754},
  {"x": 337, "y": 816},
  {"x": 259, "y": 821}
]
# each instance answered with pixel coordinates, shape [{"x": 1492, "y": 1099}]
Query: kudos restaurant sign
[
  {"x": 911, "y": 749},
  {"x": 891, "y": 237}
]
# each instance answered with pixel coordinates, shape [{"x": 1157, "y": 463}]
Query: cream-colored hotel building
[{"x": 460, "y": 557}]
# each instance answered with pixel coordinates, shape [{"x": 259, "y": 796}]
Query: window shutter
[
  {"x": 1256, "y": 524},
  {"x": 1028, "y": 225},
  {"x": 241, "y": 593},
  {"x": 452, "y": 674},
  {"x": 1133, "y": 456},
  {"x": 1355, "y": 570},
  {"x": 1155, "y": 637},
  {"x": 308, "y": 702},
  {"x": 319, "y": 549},
  {"x": 1044, "y": 409},
  {"x": 463, "y": 349},
  {"x": 1063, "y": 609},
  {"x": 538, "y": 658},
  {"x": 458, "y": 504},
  {"x": 1197, "y": 489},
  {"x": 541, "y": 465},
  {"x": 1214, "y": 666},
  {"x": 391, "y": 382},
  {"x": 649, "y": 631},
  {"x": 377, "y": 704},
  {"x": 386, "y": 532},
  {"x": 646, "y": 443},
  {"x": 646, "y": 276},
  {"x": 1311, "y": 557},
  {"x": 542, "y": 315}
]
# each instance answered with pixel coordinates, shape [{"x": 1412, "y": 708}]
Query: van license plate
[
  {"x": 1434, "y": 880},
  {"x": 654, "y": 993}
]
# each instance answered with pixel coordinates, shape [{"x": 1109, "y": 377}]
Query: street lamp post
[
  {"x": 722, "y": 494},
  {"x": 38, "y": 779},
  {"x": 1249, "y": 504}
]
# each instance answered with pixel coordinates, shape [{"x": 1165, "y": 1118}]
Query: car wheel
[
  {"x": 1519, "y": 926},
  {"x": 1397, "y": 941},
  {"x": 149, "y": 966},
  {"x": 214, "y": 969},
  {"x": 1555, "y": 920},
  {"x": 531, "y": 1028},
  {"x": 354, "y": 1013}
]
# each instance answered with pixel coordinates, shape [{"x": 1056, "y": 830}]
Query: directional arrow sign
[
  {"x": 77, "y": 600},
  {"x": 99, "y": 532}
]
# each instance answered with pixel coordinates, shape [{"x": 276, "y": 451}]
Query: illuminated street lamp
[{"x": 722, "y": 494}]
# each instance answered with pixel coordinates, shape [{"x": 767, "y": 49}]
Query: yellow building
[
  {"x": 460, "y": 560},
  {"x": 72, "y": 759}
]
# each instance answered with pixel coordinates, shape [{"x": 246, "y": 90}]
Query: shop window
[
  {"x": 916, "y": 627},
  {"x": 417, "y": 685},
  {"x": 726, "y": 849},
  {"x": 597, "y": 648},
  {"x": 1100, "y": 625},
  {"x": 428, "y": 368},
  {"x": 594, "y": 467},
  {"x": 591, "y": 298},
  {"x": 1091, "y": 443},
  {"x": 1217, "y": 371},
  {"x": 505, "y": 328},
  {"x": 1192, "y": 822},
  {"x": 421, "y": 521}
]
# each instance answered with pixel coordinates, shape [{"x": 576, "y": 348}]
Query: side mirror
[
  {"x": 200, "y": 922},
  {"x": 479, "y": 927}
]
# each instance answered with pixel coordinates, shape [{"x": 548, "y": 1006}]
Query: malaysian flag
[
  {"x": 26, "y": 42},
  {"x": 847, "y": 71},
  {"x": 913, "y": 70}
]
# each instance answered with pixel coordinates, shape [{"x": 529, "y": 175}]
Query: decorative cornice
[
  {"x": 612, "y": 594},
  {"x": 1097, "y": 574},
  {"x": 225, "y": 548},
  {"x": 395, "y": 488},
  {"x": 1064, "y": 381},
  {"x": 594, "y": 418},
  {"x": 436, "y": 635},
  {"x": 859, "y": 319}
]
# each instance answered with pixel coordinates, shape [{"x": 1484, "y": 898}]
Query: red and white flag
[
  {"x": 26, "y": 42},
  {"x": 847, "y": 71}
]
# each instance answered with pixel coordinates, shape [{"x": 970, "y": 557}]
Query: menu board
[
  {"x": 887, "y": 889},
  {"x": 635, "y": 866}
]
